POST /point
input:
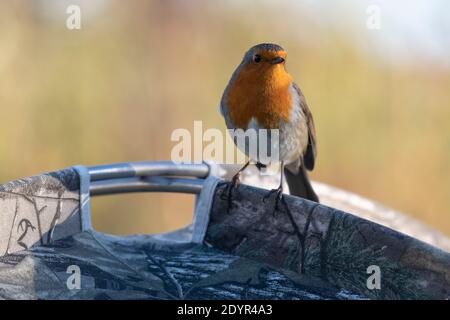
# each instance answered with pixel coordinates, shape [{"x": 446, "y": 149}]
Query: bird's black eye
[{"x": 257, "y": 58}]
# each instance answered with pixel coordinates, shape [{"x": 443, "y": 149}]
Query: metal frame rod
[
  {"x": 147, "y": 184},
  {"x": 147, "y": 168}
]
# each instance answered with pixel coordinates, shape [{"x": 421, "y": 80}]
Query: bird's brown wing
[{"x": 309, "y": 156}]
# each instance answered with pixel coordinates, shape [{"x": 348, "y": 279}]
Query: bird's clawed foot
[
  {"x": 227, "y": 193},
  {"x": 278, "y": 197},
  {"x": 260, "y": 166},
  {"x": 233, "y": 185}
]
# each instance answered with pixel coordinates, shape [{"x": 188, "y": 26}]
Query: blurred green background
[{"x": 114, "y": 91}]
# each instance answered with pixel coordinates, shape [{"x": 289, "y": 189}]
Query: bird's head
[
  {"x": 259, "y": 88},
  {"x": 264, "y": 58}
]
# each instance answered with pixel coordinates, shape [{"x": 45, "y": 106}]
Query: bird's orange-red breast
[
  {"x": 261, "y": 94},
  {"x": 260, "y": 91}
]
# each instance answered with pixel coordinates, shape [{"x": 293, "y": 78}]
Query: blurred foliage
[{"x": 114, "y": 91}]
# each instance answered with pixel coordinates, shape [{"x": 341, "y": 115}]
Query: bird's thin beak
[{"x": 277, "y": 60}]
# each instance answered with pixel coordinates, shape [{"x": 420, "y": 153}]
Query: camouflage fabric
[
  {"x": 320, "y": 242},
  {"x": 145, "y": 269},
  {"x": 39, "y": 209},
  {"x": 302, "y": 251}
]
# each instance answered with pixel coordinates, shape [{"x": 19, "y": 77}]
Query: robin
[{"x": 261, "y": 94}]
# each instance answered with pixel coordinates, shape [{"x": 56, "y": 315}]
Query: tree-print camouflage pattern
[
  {"x": 302, "y": 251},
  {"x": 39, "y": 209},
  {"x": 323, "y": 243},
  {"x": 114, "y": 268}
]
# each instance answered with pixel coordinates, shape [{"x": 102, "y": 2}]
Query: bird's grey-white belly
[
  {"x": 289, "y": 142},
  {"x": 292, "y": 135}
]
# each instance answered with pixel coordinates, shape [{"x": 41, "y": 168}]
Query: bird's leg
[
  {"x": 234, "y": 183},
  {"x": 235, "y": 180},
  {"x": 278, "y": 191}
]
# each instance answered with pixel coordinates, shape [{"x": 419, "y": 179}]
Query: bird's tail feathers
[{"x": 299, "y": 184}]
